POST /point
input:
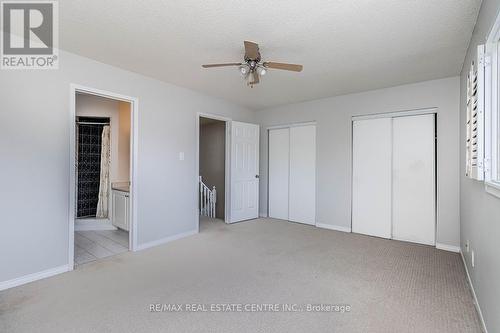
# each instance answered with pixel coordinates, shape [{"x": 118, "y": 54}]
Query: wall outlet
[
  {"x": 472, "y": 258},
  {"x": 467, "y": 246}
]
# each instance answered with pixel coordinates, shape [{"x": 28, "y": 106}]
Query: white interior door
[
  {"x": 279, "y": 166},
  {"x": 371, "y": 179},
  {"x": 413, "y": 205},
  {"x": 302, "y": 184},
  {"x": 244, "y": 171}
]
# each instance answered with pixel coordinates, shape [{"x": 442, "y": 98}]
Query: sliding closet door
[
  {"x": 414, "y": 211},
  {"x": 372, "y": 173},
  {"x": 302, "y": 185},
  {"x": 279, "y": 165}
]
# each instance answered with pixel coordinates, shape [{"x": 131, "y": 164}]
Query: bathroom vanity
[{"x": 120, "y": 205}]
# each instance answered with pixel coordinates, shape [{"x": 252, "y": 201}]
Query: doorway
[
  {"x": 103, "y": 156},
  {"x": 241, "y": 170},
  {"x": 212, "y": 171}
]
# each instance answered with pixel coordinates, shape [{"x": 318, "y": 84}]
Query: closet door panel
[
  {"x": 302, "y": 185},
  {"x": 371, "y": 179},
  {"x": 279, "y": 164},
  {"x": 414, "y": 211}
]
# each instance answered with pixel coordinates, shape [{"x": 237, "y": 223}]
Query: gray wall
[
  {"x": 212, "y": 159},
  {"x": 333, "y": 151},
  {"x": 480, "y": 211},
  {"x": 34, "y": 152}
]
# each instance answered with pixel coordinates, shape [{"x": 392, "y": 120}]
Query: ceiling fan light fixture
[
  {"x": 252, "y": 68},
  {"x": 244, "y": 70}
]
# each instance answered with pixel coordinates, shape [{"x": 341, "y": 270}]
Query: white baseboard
[
  {"x": 33, "y": 277},
  {"x": 333, "y": 227},
  {"x": 446, "y": 247},
  {"x": 476, "y": 303},
  {"x": 93, "y": 224},
  {"x": 165, "y": 240}
]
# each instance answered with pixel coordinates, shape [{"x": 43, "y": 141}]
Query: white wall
[
  {"x": 480, "y": 211},
  {"x": 333, "y": 151},
  {"x": 34, "y": 153}
]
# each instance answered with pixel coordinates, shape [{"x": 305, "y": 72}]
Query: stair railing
[{"x": 208, "y": 200}]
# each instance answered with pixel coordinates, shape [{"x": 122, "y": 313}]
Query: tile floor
[{"x": 93, "y": 245}]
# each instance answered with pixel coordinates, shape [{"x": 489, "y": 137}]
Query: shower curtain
[{"x": 103, "y": 203}]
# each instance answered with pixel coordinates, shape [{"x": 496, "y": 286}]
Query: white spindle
[
  {"x": 208, "y": 199},
  {"x": 214, "y": 200}
]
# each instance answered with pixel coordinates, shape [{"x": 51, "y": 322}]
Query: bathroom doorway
[{"x": 102, "y": 222}]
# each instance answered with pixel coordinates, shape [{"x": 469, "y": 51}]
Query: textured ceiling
[{"x": 345, "y": 45}]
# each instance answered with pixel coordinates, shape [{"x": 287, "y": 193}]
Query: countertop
[{"x": 124, "y": 187}]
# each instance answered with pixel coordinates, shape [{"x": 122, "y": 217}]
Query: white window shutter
[{"x": 475, "y": 117}]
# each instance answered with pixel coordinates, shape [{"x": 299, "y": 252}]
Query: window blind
[{"x": 475, "y": 117}]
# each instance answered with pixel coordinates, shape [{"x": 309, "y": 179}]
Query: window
[{"x": 492, "y": 111}]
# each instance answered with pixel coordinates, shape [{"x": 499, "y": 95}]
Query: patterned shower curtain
[{"x": 102, "y": 204}]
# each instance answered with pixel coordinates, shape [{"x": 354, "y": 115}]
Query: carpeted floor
[{"x": 390, "y": 286}]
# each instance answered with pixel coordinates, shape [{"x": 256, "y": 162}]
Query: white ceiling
[{"x": 345, "y": 45}]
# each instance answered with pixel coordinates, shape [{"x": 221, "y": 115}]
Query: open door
[{"x": 244, "y": 171}]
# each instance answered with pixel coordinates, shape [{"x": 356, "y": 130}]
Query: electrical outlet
[
  {"x": 467, "y": 246},
  {"x": 472, "y": 258}
]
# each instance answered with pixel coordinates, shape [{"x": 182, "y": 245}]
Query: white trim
[
  {"x": 213, "y": 116},
  {"x": 492, "y": 111},
  {"x": 403, "y": 113},
  {"x": 227, "y": 165},
  {"x": 134, "y": 149},
  {"x": 333, "y": 227},
  {"x": 93, "y": 224},
  {"x": 494, "y": 34},
  {"x": 449, "y": 248},
  {"x": 307, "y": 123},
  {"x": 492, "y": 189},
  {"x": 33, "y": 277},
  {"x": 476, "y": 302},
  {"x": 165, "y": 240}
]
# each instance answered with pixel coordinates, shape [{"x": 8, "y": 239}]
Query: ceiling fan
[{"x": 253, "y": 68}]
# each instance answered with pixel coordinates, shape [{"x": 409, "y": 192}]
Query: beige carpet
[{"x": 390, "y": 286}]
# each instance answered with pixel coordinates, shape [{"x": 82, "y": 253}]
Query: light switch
[{"x": 181, "y": 156}]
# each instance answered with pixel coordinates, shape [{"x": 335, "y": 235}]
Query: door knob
[{"x": 257, "y": 176}]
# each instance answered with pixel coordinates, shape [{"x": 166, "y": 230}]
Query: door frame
[
  {"x": 134, "y": 145},
  {"x": 404, "y": 113},
  {"x": 227, "y": 165}
]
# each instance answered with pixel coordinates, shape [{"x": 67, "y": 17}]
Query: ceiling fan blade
[
  {"x": 251, "y": 50},
  {"x": 222, "y": 65},
  {"x": 286, "y": 67}
]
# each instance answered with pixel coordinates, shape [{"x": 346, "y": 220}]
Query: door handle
[{"x": 257, "y": 176}]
